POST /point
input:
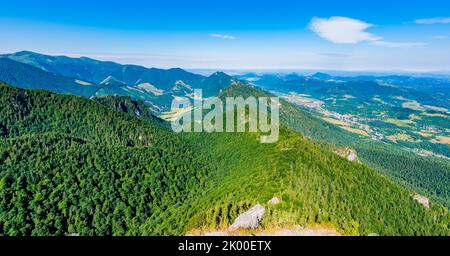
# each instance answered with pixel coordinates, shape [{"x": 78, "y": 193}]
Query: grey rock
[
  {"x": 274, "y": 200},
  {"x": 249, "y": 219},
  {"x": 424, "y": 201}
]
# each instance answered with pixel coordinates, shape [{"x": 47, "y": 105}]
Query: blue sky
[{"x": 325, "y": 35}]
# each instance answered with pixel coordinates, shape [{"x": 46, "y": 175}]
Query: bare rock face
[
  {"x": 274, "y": 201},
  {"x": 249, "y": 219},
  {"x": 422, "y": 200},
  {"x": 348, "y": 153}
]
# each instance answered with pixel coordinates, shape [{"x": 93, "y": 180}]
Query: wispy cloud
[
  {"x": 343, "y": 30},
  {"x": 221, "y": 36},
  {"x": 440, "y": 37},
  {"x": 433, "y": 21}
]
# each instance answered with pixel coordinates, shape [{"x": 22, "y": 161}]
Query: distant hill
[{"x": 322, "y": 76}]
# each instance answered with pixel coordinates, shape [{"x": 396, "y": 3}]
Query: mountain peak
[
  {"x": 23, "y": 53},
  {"x": 320, "y": 75},
  {"x": 110, "y": 80},
  {"x": 177, "y": 69},
  {"x": 26, "y": 53},
  {"x": 220, "y": 74},
  {"x": 292, "y": 76}
]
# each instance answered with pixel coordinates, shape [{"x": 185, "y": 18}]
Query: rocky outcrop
[
  {"x": 348, "y": 153},
  {"x": 422, "y": 200},
  {"x": 250, "y": 219},
  {"x": 274, "y": 201}
]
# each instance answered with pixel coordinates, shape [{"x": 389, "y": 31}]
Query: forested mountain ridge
[
  {"x": 89, "y": 77},
  {"x": 96, "y": 71},
  {"x": 28, "y": 77},
  {"x": 73, "y": 165}
]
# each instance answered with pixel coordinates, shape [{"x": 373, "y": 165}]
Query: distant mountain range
[
  {"x": 428, "y": 90},
  {"x": 157, "y": 87},
  {"x": 88, "y": 77}
]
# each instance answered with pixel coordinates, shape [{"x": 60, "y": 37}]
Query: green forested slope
[
  {"x": 72, "y": 165},
  {"x": 315, "y": 186},
  {"x": 426, "y": 175}
]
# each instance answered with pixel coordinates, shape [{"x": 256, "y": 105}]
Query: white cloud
[
  {"x": 343, "y": 30},
  {"x": 440, "y": 37},
  {"x": 223, "y": 36},
  {"x": 433, "y": 21}
]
